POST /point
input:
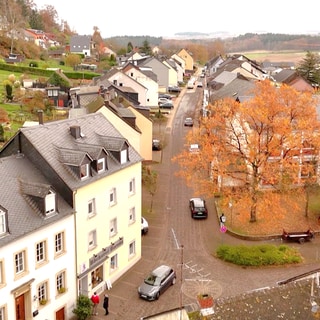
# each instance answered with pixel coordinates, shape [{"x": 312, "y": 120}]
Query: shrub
[
  {"x": 84, "y": 308},
  {"x": 260, "y": 255}
]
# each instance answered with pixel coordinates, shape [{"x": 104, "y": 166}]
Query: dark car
[
  {"x": 156, "y": 145},
  {"x": 188, "y": 122},
  {"x": 159, "y": 280},
  {"x": 198, "y": 208},
  {"x": 166, "y": 105}
]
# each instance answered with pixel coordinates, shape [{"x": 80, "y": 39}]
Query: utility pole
[{"x": 181, "y": 280}]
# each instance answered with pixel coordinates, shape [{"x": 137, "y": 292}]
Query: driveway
[{"x": 188, "y": 245}]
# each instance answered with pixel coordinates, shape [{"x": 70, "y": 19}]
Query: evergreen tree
[
  {"x": 146, "y": 48},
  {"x": 309, "y": 68}
]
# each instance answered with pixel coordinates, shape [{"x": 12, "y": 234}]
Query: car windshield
[{"x": 152, "y": 280}]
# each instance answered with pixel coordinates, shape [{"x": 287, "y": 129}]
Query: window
[
  {"x": 43, "y": 292},
  {"x": 132, "y": 215},
  {"x": 132, "y": 248},
  {"x": 114, "y": 262},
  {"x": 124, "y": 156},
  {"x": 50, "y": 203},
  {"x": 61, "y": 282},
  {"x": 92, "y": 207},
  {"x": 113, "y": 227},
  {"x": 41, "y": 252},
  {"x": 92, "y": 239},
  {"x": 132, "y": 186},
  {"x": 3, "y": 221},
  {"x": 96, "y": 276},
  {"x": 59, "y": 243},
  {"x": 112, "y": 197},
  {"x": 101, "y": 165},
  {"x": 84, "y": 171},
  {"x": 19, "y": 260},
  {"x": 2, "y": 313},
  {"x": 2, "y": 281}
]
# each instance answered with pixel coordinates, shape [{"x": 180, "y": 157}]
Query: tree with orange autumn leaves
[{"x": 253, "y": 152}]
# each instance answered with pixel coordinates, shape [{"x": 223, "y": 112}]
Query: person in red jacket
[{"x": 95, "y": 300}]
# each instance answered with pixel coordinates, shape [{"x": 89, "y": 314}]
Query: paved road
[{"x": 171, "y": 227}]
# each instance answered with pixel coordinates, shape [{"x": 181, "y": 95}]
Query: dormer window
[
  {"x": 84, "y": 171},
  {"x": 50, "y": 202},
  {"x": 3, "y": 221},
  {"x": 101, "y": 165},
  {"x": 124, "y": 156}
]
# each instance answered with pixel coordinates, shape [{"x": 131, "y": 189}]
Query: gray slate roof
[
  {"x": 20, "y": 179},
  {"x": 236, "y": 88},
  {"x": 296, "y": 300},
  {"x": 58, "y": 147}
]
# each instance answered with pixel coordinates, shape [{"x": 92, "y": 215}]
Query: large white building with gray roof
[{"x": 98, "y": 175}]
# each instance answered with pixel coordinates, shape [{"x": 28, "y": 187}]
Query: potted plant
[
  {"x": 43, "y": 302},
  {"x": 62, "y": 290},
  {"x": 205, "y": 300}
]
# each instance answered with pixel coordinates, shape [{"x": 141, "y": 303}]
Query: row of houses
[{"x": 70, "y": 209}]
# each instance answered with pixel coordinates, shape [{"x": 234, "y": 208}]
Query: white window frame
[
  {"x": 59, "y": 243},
  {"x": 43, "y": 291},
  {"x": 61, "y": 280},
  {"x": 132, "y": 215},
  {"x": 2, "y": 274},
  {"x": 101, "y": 165},
  {"x": 132, "y": 249},
  {"x": 124, "y": 156},
  {"x": 20, "y": 262},
  {"x": 92, "y": 239},
  {"x": 3, "y": 222},
  {"x": 3, "y": 313},
  {"x": 50, "y": 203},
  {"x": 41, "y": 252},
  {"x": 113, "y": 228},
  {"x": 84, "y": 171},
  {"x": 112, "y": 197},
  {"x": 132, "y": 186},
  {"x": 114, "y": 263},
  {"x": 92, "y": 207}
]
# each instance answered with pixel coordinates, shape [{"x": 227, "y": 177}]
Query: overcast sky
[{"x": 168, "y": 17}]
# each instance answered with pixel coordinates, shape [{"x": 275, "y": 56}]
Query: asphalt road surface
[{"x": 188, "y": 245}]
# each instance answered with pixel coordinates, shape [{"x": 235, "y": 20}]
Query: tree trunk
[
  {"x": 253, "y": 211},
  {"x": 306, "y": 208}
]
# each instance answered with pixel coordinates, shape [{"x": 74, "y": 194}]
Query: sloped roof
[
  {"x": 55, "y": 144},
  {"x": 236, "y": 88},
  {"x": 296, "y": 300},
  {"x": 22, "y": 178}
]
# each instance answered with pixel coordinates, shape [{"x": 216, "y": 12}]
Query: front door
[
  {"x": 20, "y": 312},
  {"x": 60, "y": 314}
]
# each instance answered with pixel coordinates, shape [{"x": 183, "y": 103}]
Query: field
[{"x": 276, "y": 56}]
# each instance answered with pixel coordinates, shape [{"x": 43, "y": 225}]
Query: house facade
[
  {"x": 160, "y": 69},
  {"x": 37, "y": 241},
  {"x": 81, "y": 45},
  {"x": 148, "y": 79},
  {"x": 98, "y": 173},
  {"x": 187, "y": 57},
  {"x": 121, "y": 79}
]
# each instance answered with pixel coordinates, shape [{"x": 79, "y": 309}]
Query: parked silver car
[{"x": 159, "y": 280}]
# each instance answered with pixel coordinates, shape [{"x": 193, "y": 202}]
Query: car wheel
[
  {"x": 173, "y": 281},
  {"x": 157, "y": 295}
]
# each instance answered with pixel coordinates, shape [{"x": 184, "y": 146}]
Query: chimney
[
  {"x": 75, "y": 131},
  {"x": 40, "y": 116}
]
